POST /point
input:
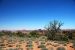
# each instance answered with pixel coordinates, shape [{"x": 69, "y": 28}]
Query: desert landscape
[
  {"x": 37, "y": 25},
  {"x": 12, "y": 42}
]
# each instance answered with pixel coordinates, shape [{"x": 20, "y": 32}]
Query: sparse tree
[{"x": 53, "y": 28}]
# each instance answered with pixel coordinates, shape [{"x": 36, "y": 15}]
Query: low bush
[
  {"x": 61, "y": 48},
  {"x": 44, "y": 49},
  {"x": 41, "y": 46},
  {"x": 29, "y": 45}
]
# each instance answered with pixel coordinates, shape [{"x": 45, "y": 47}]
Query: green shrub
[
  {"x": 29, "y": 48},
  {"x": 61, "y": 48},
  {"x": 44, "y": 49},
  {"x": 29, "y": 45},
  {"x": 29, "y": 42},
  {"x": 1, "y": 34},
  {"x": 42, "y": 42},
  {"x": 33, "y": 34},
  {"x": 74, "y": 44},
  {"x": 1, "y": 48},
  {"x": 64, "y": 38},
  {"x": 20, "y": 34},
  {"x": 41, "y": 46}
]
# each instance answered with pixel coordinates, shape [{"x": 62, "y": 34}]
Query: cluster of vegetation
[
  {"x": 34, "y": 34},
  {"x": 54, "y": 32},
  {"x": 20, "y": 34}
]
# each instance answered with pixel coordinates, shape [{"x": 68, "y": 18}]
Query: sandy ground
[
  {"x": 68, "y": 46},
  {"x": 35, "y": 46},
  {"x": 23, "y": 44}
]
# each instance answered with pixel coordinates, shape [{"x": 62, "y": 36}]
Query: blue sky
[{"x": 35, "y": 14}]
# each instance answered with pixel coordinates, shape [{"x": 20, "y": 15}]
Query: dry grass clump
[
  {"x": 15, "y": 49},
  {"x": 61, "y": 48},
  {"x": 44, "y": 49},
  {"x": 29, "y": 45}
]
